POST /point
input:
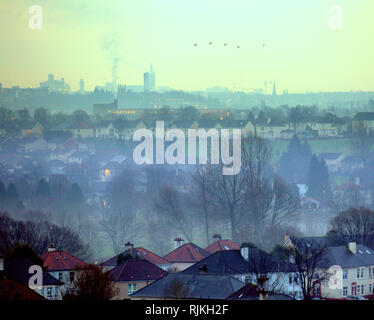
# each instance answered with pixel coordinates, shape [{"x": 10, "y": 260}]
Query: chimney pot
[
  {"x": 51, "y": 248},
  {"x": 178, "y": 242},
  {"x": 244, "y": 251},
  {"x": 352, "y": 247}
]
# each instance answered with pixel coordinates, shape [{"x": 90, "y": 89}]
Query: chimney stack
[
  {"x": 352, "y": 247},
  {"x": 263, "y": 287},
  {"x": 178, "y": 242},
  {"x": 51, "y": 248},
  {"x": 217, "y": 236},
  {"x": 244, "y": 251}
]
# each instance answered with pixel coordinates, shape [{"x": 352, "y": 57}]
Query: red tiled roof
[
  {"x": 14, "y": 290},
  {"x": 137, "y": 270},
  {"x": 188, "y": 252},
  {"x": 222, "y": 245},
  {"x": 61, "y": 260},
  {"x": 140, "y": 253}
]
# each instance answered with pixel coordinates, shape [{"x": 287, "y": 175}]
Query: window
[
  {"x": 56, "y": 292},
  {"x": 358, "y": 273},
  {"x": 362, "y": 272},
  {"x": 72, "y": 276},
  {"x": 369, "y": 272},
  {"x": 42, "y": 292},
  {"x": 345, "y": 274},
  {"x": 362, "y": 289},
  {"x": 60, "y": 277},
  {"x": 370, "y": 291},
  {"x": 358, "y": 289},
  {"x": 131, "y": 288},
  {"x": 345, "y": 291},
  {"x": 49, "y": 292},
  {"x": 290, "y": 278}
]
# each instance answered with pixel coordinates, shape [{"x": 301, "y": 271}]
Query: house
[
  {"x": 356, "y": 262},
  {"x": 132, "y": 126},
  {"x": 15, "y": 290},
  {"x": 220, "y": 245},
  {"x": 189, "y": 287},
  {"x": 363, "y": 122},
  {"x": 133, "y": 275},
  {"x": 327, "y": 128},
  {"x": 63, "y": 266},
  {"x": 18, "y": 270},
  {"x": 34, "y": 144},
  {"x": 185, "y": 255},
  {"x": 240, "y": 265},
  {"x": 274, "y": 129},
  {"x": 83, "y": 130},
  {"x": 106, "y": 130},
  {"x": 333, "y": 161},
  {"x": 139, "y": 253},
  {"x": 32, "y": 129},
  {"x": 310, "y": 203},
  {"x": 357, "y": 276}
]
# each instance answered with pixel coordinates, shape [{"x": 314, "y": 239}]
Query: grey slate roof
[
  {"x": 364, "y": 116},
  {"x": 343, "y": 257},
  {"x": 198, "y": 286},
  {"x": 231, "y": 262}
]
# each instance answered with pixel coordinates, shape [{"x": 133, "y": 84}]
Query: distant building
[
  {"x": 55, "y": 85},
  {"x": 149, "y": 80},
  {"x": 363, "y": 122},
  {"x": 104, "y": 108},
  {"x": 81, "y": 86}
]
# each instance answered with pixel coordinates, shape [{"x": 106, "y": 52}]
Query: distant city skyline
[{"x": 193, "y": 46}]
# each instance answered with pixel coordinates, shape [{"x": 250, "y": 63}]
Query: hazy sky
[{"x": 301, "y": 52}]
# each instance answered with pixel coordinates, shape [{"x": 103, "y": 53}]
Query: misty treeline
[
  {"x": 39, "y": 235},
  {"x": 13, "y": 121},
  {"x": 24, "y": 192}
]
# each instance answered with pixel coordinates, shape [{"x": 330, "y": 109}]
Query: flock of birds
[{"x": 225, "y": 45}]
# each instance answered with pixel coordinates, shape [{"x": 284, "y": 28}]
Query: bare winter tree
[
  {"x": 268, "y": 200},
  {"x": 202, "y": 198},
  {"x": 352, "y": 225},
  {"x": 119, "y": 226},
  {"x": 39, "y": 236},
  {"x": 169, "y": 204},
  {"x": 255, "y": 198},
  {"x": 310, "y": 258},
  {"x": 264, "y": 264},
  {"x": 228, "y": 194}
]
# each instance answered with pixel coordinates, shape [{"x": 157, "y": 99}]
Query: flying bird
[
  {"x": 225, "y": 44},
  {"x": 195, "y": 44},
  {"x": 210, "y": 43},
  {"x": 238, "y": 47}
]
